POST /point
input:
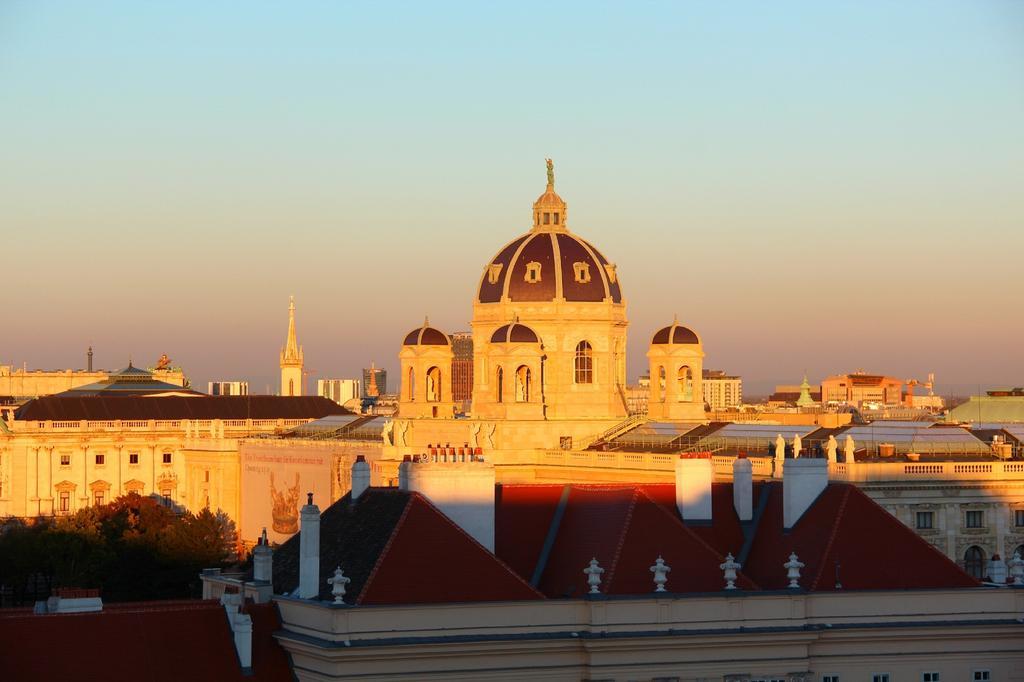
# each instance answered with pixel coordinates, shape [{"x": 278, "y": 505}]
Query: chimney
[
  {"x": 743, "y": 488},
  {"x": 360, "y": 477},
  {"x": 241, "y": 628},
  {"x": 309, "y": 550},
  {"x": 463, "y": 491},
  {"x": 694, "y": 472},
  {"x": 263, "y": 560},
  {"x": 803, "y": 480}
]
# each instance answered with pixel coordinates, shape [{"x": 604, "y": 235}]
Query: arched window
[
  {"x": 584, "y": 364},
  {"x": 291, "y": 387},
  {"x": 523, "y": 384},
  {"x": 1019, "y": 551},
  {"x": 500, "y": 380},
  {"x": 685, "y": 387},
  {"x": 661, "y": 384},
  {"x": 974, "y": 562},
  {"x": 433, "y": 385},
  {"x": 412, "y": 384}
]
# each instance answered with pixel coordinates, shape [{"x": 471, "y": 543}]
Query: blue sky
[{"x": 819, "y": 186}]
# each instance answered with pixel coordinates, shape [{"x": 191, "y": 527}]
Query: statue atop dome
[{"x": 551, "y": 172}]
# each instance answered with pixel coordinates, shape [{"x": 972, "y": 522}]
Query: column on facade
[
  {"x": 84, "y": 496},
  {"x": 46, "y": 482},
  {"x": 32, "y": 482},
  {"x": 1001, "y": 529}
]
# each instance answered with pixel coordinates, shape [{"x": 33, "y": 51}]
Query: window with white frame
[
  {"x": 974, "y": 519},
  {"x": 1018, "y": 518},
  {"x": 982, "y": 676},
  {"x": 880, "y": 677},
  {"x": 929, "y": 677},
  {"x": 925, "y": 520},
  {"x": 830, "y": 678}
]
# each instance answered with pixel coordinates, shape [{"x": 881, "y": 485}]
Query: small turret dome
[
  {"x": 426, "y": 336},
  {"x": 514, "y": 333},
  {"x": 677, "y": 334}
]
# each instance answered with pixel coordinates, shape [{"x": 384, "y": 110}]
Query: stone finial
[
  {"x": 797, "y": 446},
  {"x": 793, "y": 567},
  {"x": 660, "y": 571},
  {"x": 1016, "y": 566},
  {"x": 997, "y": 570},
  {"x": 729, "y": 568},
  {"x": 338, "y": 582},
  {"x": 848, "y": 449},
  {"x": 309, "y": 499},
  {"x": 593, "y": 573}
]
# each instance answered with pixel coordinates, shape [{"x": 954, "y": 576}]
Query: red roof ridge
[
  {"x": 384, "y": 551},
  {"x": 622, "y": 537},
  {"x": 831, "y": 538},
  {"x": 424, "y": 499},
  {"x": 697, "y": 537}
]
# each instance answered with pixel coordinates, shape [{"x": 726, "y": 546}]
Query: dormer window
[
  {"x": 582, "y": 272},
  {"x": 493, "y": 273},
  {"x": 610, "y": 269},
  {"x": 532, "y": 272}
]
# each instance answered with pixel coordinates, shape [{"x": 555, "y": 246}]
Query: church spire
[{"x": 291, "y": 357}]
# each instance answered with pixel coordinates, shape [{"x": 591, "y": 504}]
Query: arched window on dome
[
  {"x": 974, "y": 562},
  {"x": 499, "y": 378},
  {"x": 584, "y": 364},
  {"x": 523, "y": 381},
  {"x": 685, "y": 387},
  {"x": 661, "y": 383},
  {"x": 433, "y": 385},
  {"x": 412, "y": 384}
]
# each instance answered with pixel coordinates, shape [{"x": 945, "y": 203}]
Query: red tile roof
[
  {"x": 153, "y": 641},
  {"x": 102, "y": 408}
]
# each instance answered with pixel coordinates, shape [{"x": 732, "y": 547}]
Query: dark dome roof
[
  {"x": 584, "y": 274},
  {"x": 426, "y": 336},
  {"x": 514, "y": 333},
  {"x": 675, "y": 333}
]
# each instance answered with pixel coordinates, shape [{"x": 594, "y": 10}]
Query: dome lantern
[{"x": 549, "y": 212}]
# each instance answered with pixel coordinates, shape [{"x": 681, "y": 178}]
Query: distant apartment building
[
  {"x": 227, "y": 387},
  {"x": 859, "y": 388},
  {"x": 340, "y": 390},
  {"x": 375, "y": 381},
  {"x": 462, "y": 367},
  {"x": 722, "y": 391}
]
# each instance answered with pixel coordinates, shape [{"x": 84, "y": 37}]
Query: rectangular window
[
  {"x": 207, "y": 475},
  {"x": 925, "y": 520},
  {"x": 98, "y": 497},
  {"x": 133, "y": 458},
  {"x": 167, "y": 458},
  {"x": 65, "y": 460},
  {"x": 167, "y": 497},
  {"x": 1018, "y": 520},
  {"x": 929, "y": 677},
  {"x": 974, "y": 519},
  {"x": 65, "y": 501},
  {"x": 830, "y": 678},
  {"x": 547, "y": 218},
  {"x": 880, "y": 677},
  {"x": 982, "y": 676},
  {"x": 100, "y": 459}
]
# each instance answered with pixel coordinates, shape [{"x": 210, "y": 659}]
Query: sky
[{"x": 817, "y": 187}]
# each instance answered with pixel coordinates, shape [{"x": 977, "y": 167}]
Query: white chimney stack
[
  {"x": 309, "y": 550},
  {"x": 743, "y": 488},
  {"x": 803, "y": 480},
  {"x": 263, "y": 560},
  {"x": 360, "y": 477},
  {"x": 241, "y": 628},
  {"x": 463, "y": 491},
  {"x": 694, "y": 474}
]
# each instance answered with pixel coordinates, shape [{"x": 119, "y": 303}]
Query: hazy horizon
[{"x": 811, "y": 187}]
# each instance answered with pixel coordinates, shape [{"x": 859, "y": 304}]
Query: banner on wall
[{"x": 274, "y": 486}]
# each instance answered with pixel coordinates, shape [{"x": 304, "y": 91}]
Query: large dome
[{"x": 549, "y": 263}]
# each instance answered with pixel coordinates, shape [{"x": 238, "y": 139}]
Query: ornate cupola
[
  {"x": 549, "y": 209},
  {"x": 676, "y": 358},
  {"x": 426, "y": 359}
]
